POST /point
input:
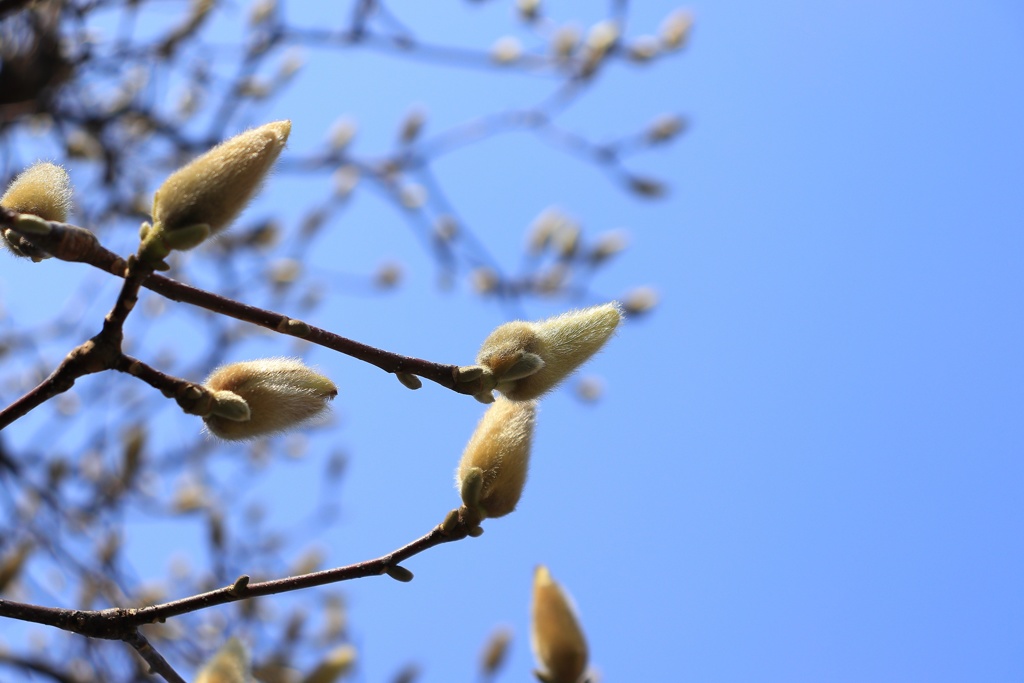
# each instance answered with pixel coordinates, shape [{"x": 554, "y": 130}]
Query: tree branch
[
  {"x": 72, "y": 243},
  {"x": 122, "y": 623},
  {"x": 157, "y": 664}
]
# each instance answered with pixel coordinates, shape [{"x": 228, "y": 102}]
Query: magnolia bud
[
  {"x": 412, "y": 126},
  {"x": 42, "y": 190},
  {"x": 281, "y": 393},
  {"x": 665, "y": 127},
  {"x": 506, "y": 50},
  {"x": 495, "y": 651},
  {"x": 675, "y": 30},
  {"x": 528, "y": 10},
  {"x": 336, "y": 664},
  {"x": 214, "y": 188},
  {"x": 640, "y": 301},
  {"x": 603, "y": 35},
  {"x": 649, "y": 188},
  {"x": 558, "y": 641},
  {"x": 529, "y": 359},
  {"x": 492, "y": 472},
  {"x": 230, "y": 664}
]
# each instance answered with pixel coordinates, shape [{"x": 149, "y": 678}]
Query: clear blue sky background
[{"x": 808, "y": 463}]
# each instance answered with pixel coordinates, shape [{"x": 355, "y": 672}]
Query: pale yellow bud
[
  {"x": 43, "y": 193},
  {"x": 342, "y": 133},
  {"x": 412, "y": 196},
  {"x": 281, "y": 393},
  {"x": 565, "y": 41},
  {"x": 334, "y": 666},
  {"x": 214, "y": 188},
  {"x": 412, "y": 126},
  {"x": 495, "y": 651},
  {"x": 345, "y": 180},
  {"x": 190, "y": 496},
  {"x": 558, "y": 641},
  {"x": 529, "y": 359},
  {"x": 261, "y": 10},
  {"x": 529, "y": 10},
  {"x": 13, "y": 562},
  {"x": 506, "y": 50},
  {"x": 446, "y": 229},
  {"x": 640, "y": 300},
  {"x": 230, "y": 664},
  {"x": 255, "y": 87},
  {"x": 293, "y": 60},
  {"x": 43, "y": 190},
  {"x": 603, "y": 35},
  {"x": 551, "y": 226},
  {"x": 675, "y": 30},
  {"x": 492, "y": 472},
  {"x": 647, "y": 187},
  {"x": 284, "y": 271},
  {"x": 81, "y": 144},
  {"x": 609, "y": 244},
  {"x": 388, "y": 275},
  {"x": 665, "y": 127},
  {"x": 484, "y": 280},
  {"x": 643, "y": 49}
]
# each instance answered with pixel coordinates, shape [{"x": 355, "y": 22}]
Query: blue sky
[{"x": 808, "y": 463}]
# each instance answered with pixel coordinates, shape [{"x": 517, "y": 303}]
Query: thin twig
[
  {"x": 72, "y": 243},
  {"x": 157, "y": 664},
  {"x": 121, "y": 623}
]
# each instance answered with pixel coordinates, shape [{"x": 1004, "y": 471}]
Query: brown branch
[
  {"x": 122, "y": 623},
  {"x": 194, "y": 399},
  {"x": 72, "y": 243},
  {"x": 157, "y": 664},
  {"x": 100, "y": 353}
]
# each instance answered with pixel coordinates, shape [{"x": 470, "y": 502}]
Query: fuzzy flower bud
[
  {"x": 529, "y": 359},
  {"x": 492, "y": 472},
  {"x": 495, "y": 652},
  {"x": 558, "y": 641},
  {"x": 279, "y": 394},
  {"x": 675, "y": 30},
  {"x": 334, "y": 666},
  {"x": 42, "y": 190},
  {"x": 214, "y": 188},
  {"x": 230, "y": 664}
]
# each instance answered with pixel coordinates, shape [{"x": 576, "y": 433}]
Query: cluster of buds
[{"x": 522, "y": 360}]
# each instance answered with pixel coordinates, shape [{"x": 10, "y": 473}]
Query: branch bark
[
  {"x": 72, "y": 243},
  {"x": 123, "y": 623}
]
